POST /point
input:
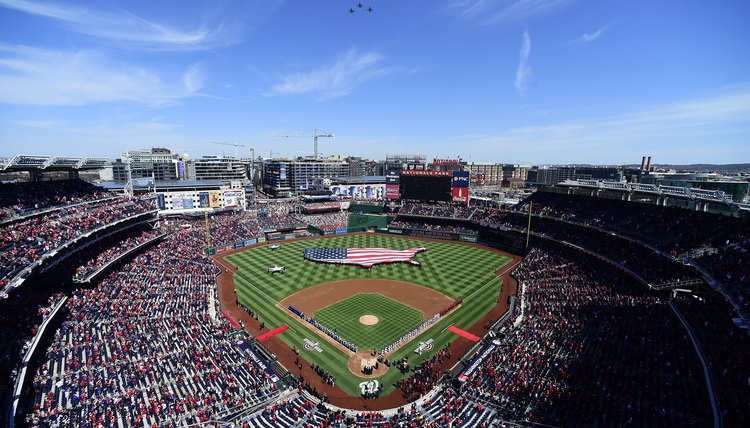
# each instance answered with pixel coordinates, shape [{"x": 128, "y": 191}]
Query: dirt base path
[
  {"x": 418, "y": 297},
  {"x": 337, "y": 397}
]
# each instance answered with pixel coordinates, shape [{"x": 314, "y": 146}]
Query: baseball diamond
[
  {"x": 447, "y": 272},
  {"x": 395, "y": 319}
]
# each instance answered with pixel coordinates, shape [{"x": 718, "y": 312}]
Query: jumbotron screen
[{"x": 425, "y": 187}]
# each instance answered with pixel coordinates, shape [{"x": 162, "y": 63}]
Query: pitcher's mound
[{"x": 368, "y": 319}]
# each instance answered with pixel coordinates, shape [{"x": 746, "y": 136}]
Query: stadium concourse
[{"x": 586, "y": 343}]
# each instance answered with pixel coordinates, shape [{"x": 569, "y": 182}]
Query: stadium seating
[{"x": 587, "y": 345}]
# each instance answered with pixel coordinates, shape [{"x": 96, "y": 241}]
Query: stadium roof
[
  {"x": 50, "y": 163},
  {"x": 145, "y": 183}
]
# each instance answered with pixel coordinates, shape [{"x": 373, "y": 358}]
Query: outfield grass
[
  {"x": 458, "y": 271},
  {"x": 395, "y": 320}
]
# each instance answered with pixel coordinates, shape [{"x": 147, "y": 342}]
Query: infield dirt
[{"x": 423, "y": 299}]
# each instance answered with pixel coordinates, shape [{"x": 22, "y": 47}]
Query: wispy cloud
[
  {"x": 590, "y": 37},
  {"x": 712, "y": 120},
  {"x": 125, "y": 28},
  {"x": 45, "y": 77},
  {"x": 347, "y": 72},
  {"x": 523, "y": 72},
  {"x": 501, "y": 11}
]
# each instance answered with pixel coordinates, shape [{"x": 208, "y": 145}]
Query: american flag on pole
[{"x": 366, "y": 257}]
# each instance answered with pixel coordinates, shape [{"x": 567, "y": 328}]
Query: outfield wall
[{"x": 430, "y": 234}]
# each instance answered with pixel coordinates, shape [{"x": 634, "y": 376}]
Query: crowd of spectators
[
  {"x": 673, "y": 230},
  {"x": 446, "y": 409},
  {"x": 277, "y": 215},
  {"x": 585, "y": 346},
  {"x": 25, "y": 241},
  {"x": 18, "y": 199},
  {"x": 143, "y": 348},
  {"x": 727, "y": 350},
  {"x": 424, "y": 377},
  {"x": 21, "y": 315},
  {"x": 441, "y": 210},
  {"x": 588, "y": 347},
  {"x": 112, "y": 253},
  {"x": 731, "y": 265},
  {"x": 328, "y": 221}
]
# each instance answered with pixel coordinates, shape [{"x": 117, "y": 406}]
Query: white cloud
[
  {"x": 523, "y": 72},
  {"x": 501, "y": 11},
  {"x": 590, "y": 37},
  {"x": 713, "y": 120},
  {"x": 44, "y": 77},
  {"x": 340, "y": 78},
  {"x": 128, "y": 29}
]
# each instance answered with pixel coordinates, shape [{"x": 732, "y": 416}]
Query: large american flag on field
[{"x": 366, "y": 257}]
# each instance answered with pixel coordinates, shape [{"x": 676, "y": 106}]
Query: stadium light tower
[{"x": 128, "y": 189}]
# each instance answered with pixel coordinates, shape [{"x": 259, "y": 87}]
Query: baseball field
[{"x": 370, "y": 308}]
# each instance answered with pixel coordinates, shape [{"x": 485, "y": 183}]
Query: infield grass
[
  {"x": 394, "y": 320},
  {"x": 458, "y": 271}
]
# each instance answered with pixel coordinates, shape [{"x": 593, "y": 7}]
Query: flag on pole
[{"x": 366, "y": 257}]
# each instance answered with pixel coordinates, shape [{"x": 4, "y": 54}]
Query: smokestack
[
  {"x": 648, "y": 164},
  {"x": 643, "y": 163}
]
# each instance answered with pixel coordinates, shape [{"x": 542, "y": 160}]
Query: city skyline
[{"x": 526, "y": 81}]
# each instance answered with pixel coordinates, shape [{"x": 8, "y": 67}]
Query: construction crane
[
  {"x": 315, "y": 138},
  {"x": 230, "y": 144}
]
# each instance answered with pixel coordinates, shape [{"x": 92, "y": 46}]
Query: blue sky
[{"x": 534, "y": 81}]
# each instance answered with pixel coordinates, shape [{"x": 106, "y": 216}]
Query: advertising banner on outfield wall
[{"x": 432, "y": 234}]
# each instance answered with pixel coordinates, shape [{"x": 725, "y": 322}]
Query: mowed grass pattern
[
  {"x": 459, "y": 271},
  {"x": 394, "y": 320}
]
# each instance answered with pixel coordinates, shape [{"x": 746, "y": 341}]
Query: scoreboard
[{"x": 428, "y": 185}]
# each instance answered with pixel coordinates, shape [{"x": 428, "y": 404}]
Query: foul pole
[
  {"x": 208, "y": 231},
  {"x": 528, "y": 227}
]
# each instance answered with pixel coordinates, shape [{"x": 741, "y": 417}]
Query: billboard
[
  {"x": 160, "y": 201},
  {"x": 460, "y": 194},
  {"x": 214, "y": 200},
  {"x": 460, "y": 178},
  {"x": 392, "y": 191},
  {"x": 426, "y": 185},
  {"x": 234, "y": 198},
  {"x": 203, "y": 201},
  {"x": 425, "y": 173},
  {"x": 143, "y": 182},
  {"x": 177, "y": 201},
  {"x": 360, "y": 191},
  {"x": 187, "y": 202}
]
